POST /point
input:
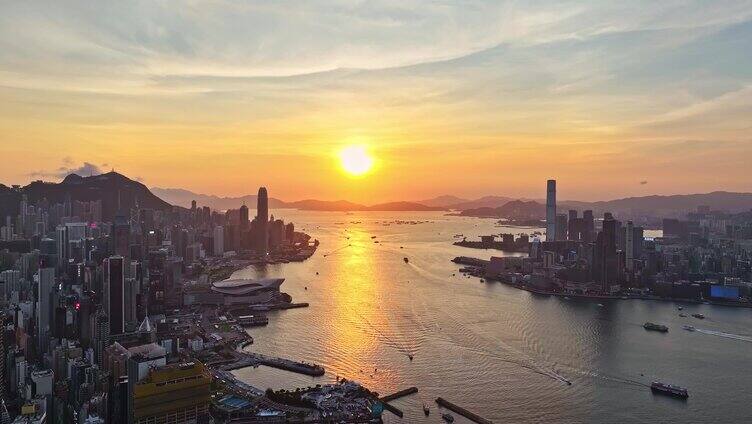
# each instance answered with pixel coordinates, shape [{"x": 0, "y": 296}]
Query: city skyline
[{"x": 457, "y": 99}]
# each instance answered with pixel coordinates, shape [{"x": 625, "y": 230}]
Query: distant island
[{"x": 500, "y": 207}]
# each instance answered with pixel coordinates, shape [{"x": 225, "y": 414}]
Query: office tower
[
  {"x": 114, "y": 293},
  {"x": 61, "y": 240},
  {"x": 130, "y": 296},
  {"x": 604, "y": 258},
  {"x": 262, "y": 216},
  {"x": 45, "y": 287},
  {"x": 637, "y": 239},
  {"x": 588, "y": 226},
  {"x": 100, "y": 335},
  {"x": 243, "y": 217},
  {"x": 177, "y": 393},
  {"x": 218, "y": 242},
  {"x": 76, "y": 230},
  {"x": 121, "y": 232},
  {"x": 141, "y": 359},
  {"x": 173, "y": 282},
  {"x": 551, "y": 210},
  {"x": 629, "y": 245},
  {"x": 561, "y": 226}
]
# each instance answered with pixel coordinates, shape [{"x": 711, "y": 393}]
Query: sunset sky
[{"x": 613, "y": 99}]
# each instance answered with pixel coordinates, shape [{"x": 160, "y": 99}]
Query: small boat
[
  {"x": 689, "y": 328},
  {"x": 447, "y": 417},
  {"x": 410, "y": 356},
  {"x": 683, "y": 315},
  {"x": 306, "y": 287},
  {"x": 405, "y": 259},
  {"x": 699, "y": 316},
  {"x": 681, "y": 308},
  {"x": 600, "y": 305},
  {"x": 426, "y": 410},
  {"x": 655, "y": 327},
  {"x": 669, "y": 389}
]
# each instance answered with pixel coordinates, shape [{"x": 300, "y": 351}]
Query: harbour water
[{"x": 500, "y": 352}]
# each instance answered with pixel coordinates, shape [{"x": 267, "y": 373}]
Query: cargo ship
[
  {"x": 655, "y": 327},
  {"x": 670, "y": 390}
]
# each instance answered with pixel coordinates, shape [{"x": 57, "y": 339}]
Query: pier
[
  {"x": 397, "y": 395},
  {"x": 462, "y": 411},
  {"x": 247, "y": 359}
]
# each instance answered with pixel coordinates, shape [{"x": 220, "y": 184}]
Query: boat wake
[{"x": 725, "y": 335}]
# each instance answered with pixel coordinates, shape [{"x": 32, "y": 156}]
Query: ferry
[
  {"x": 655, "y": 327},
  {"x": 426, "y": 410},
  {"x": 699, "y": 316},
  {"x": 670, "y": 390},
  {"x": 689, "y": 328},
  {"x": 447, "y": 417}
]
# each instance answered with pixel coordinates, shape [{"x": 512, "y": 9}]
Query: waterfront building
[
  {"x": 262, "y": 218},
  {"x": 178, "y": 393},
  {"x": 629, "y": 246},
  {"x": 237, "y": 292},
  {"x": 551, "y": 210}
]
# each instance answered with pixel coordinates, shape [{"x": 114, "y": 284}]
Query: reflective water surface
[{"x": 500, "y": 352}]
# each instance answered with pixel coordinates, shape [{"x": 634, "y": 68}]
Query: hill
[
  {"x": 181, "y": 197},
  {"x": 665, "y": 206},
  {"x": 113, "y": 189},
  {"x": 514, "y": 210}
]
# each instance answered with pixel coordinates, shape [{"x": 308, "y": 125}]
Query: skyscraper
[
  {"x": 45, "y": 287},
  {"x": 551, "y": 210},
  {"x": 262, "y": 216},
  {"x": 629, "y": 245},
  {"x": 114, "y": 291},
  {"x": 218, "y": 243},
  {"x": 61, "y": 241}
]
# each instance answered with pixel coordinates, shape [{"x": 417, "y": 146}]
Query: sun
[{"x": 355, "y": 160}]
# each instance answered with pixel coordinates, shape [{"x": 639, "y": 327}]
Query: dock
[
  {"x": 397, "y": 395},
  {"x": 248, "y": 359},
  {"x": 462, "y": 411}
]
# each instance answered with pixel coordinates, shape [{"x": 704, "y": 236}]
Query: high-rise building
[
  {"x": 629, "y": 245},
  {"x": 243, "y": 217},
  {"x": 114, "y": 291},
  {"x": 178, "y": 393},
  {"x": 561, "y": 226},
  {"x": 121, "y": 232},
  {"x": 605, "y": 264},
  {"x": 262, "y": 216},
  {"x": 61, "y": 241},
  {"x": 45, "y": 287},
  {"x": 218, "y": 242},
  {"x": 551, "y": 210}
]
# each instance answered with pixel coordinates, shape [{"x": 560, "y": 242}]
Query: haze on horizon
[{"x": 468, "y": 98}]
